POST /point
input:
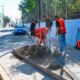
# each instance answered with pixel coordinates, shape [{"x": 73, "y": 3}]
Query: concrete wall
[{"x": 72, "y": 27}]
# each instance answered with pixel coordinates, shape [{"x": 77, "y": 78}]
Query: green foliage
[
  {"x": 6, "y": 20},
  {"x": 26, "y": 6},
  {"x": 75, "y": 6},
  {"x": 63, "y": 8}
]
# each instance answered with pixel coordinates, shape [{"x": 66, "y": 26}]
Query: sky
[{"x": 11, "y": 8}]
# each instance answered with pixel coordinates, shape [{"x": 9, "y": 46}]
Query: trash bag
[{"x": 56, "y": 53}]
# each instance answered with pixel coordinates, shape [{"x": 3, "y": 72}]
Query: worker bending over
[{"x": 40, "y": 35}]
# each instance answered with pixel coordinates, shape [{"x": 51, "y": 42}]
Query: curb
[{"x": 3, "y": 74}]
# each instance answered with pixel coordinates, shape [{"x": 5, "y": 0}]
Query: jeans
[
  {"x": 48, "y": 40},
  {"x": 62, "y": 42}
]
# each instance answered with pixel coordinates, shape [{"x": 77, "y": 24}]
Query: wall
[
  {"x": 71, "y": 25},
  {"x": 72, "y": 28}
]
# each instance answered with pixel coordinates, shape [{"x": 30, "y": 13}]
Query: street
[{"x": 9, "y": 41}]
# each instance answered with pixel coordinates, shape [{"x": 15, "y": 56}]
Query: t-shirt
[
  {"x": 57, "y": 26},
  {"x": 32, "y": 28},
  {"x": 48, "y": 22}
]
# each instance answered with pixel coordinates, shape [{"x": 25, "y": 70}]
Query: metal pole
[
  {"x": 3, "y": 10},
  {"x": 47, "y": 8},
  {"x": 41, "y": 9},
  {"x": 39, "y": 1},
  {"x": 55, "y": 10},
  {"x": 66, "y": 9}
]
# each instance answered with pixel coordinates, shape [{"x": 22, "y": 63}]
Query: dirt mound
[{"x": 34, "y": 50}]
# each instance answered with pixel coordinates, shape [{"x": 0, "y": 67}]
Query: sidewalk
[
  {"x": 15, "y": 69},
  {"x": 6, "y": 28},
  {"x": 71, "y": 60},
  {"x": 6, "y": 31}
]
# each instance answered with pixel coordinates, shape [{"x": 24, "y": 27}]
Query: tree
[
  {"x": 75, "y": 6},
  {"x": 6, "y": 20},
  {"x": 64, "y": 8},
  {"x": 26, "y": 6}
]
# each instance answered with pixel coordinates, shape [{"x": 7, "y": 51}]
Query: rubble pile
[{"x": 34, "y": 51}]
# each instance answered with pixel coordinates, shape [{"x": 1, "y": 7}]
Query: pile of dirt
[{"x": 34, "y": 50}]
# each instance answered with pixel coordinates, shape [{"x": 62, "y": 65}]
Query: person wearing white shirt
[{"x": 49, "y": 24}]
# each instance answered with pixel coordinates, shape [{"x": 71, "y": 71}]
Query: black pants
[{"x": 32, "y": 33}]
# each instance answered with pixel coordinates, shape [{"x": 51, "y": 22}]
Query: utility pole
[{"x": 2, "y": 6}]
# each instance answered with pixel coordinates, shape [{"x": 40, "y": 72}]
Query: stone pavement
[
  {"x": 18, "y": 70},
  {"x": 71, "y": 60}
]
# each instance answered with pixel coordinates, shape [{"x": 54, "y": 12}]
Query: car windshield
[{"x": 20, "y": 27}]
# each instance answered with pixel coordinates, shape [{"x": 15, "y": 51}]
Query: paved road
[{"x": 8, "y": 40}]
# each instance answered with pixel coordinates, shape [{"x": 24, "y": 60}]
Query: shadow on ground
[{"x": 28, "y": 70}]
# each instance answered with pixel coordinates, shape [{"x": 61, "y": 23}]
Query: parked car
[{"x": 19, "y": 30}]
